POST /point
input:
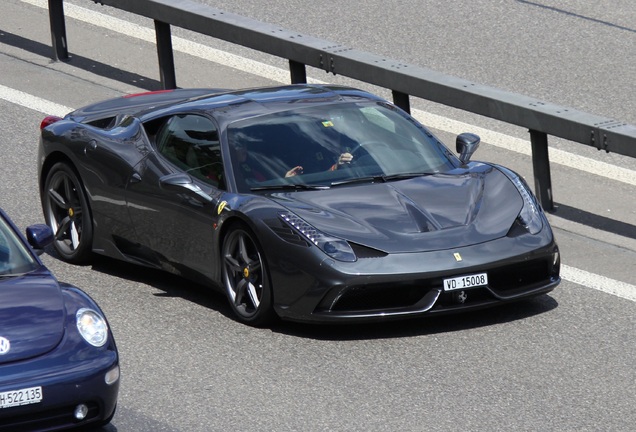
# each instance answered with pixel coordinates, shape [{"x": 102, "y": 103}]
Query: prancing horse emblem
[{"x": 462, "y": 297}]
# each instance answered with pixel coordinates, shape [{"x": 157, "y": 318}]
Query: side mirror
[
  {"x": 180, "y": 182},
  {"x": 466, "y": 144},
  {"x": 39, "y": 236}
]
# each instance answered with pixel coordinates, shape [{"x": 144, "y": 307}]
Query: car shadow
[
  {"x": 422, "y": 326},
  {"x": 169, "y": 284}
]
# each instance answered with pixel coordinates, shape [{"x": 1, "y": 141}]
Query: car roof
[{"x": 234, "y": 105}]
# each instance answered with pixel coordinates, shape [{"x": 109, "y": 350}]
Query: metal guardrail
[{"x": 405, "y": 80}]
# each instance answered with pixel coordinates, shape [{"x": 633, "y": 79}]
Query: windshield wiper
[
  {"x": 369, "y": 179},
  {"x": 403, "y": 176},
  {"x": 380, "y": 178},
  {"x": 290, "y": 186}
]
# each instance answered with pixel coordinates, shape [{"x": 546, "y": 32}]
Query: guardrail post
[
  {"x": 541, "y": 169},
  {"x": 165, "y": 54},
  {"x": 58, "y": 30},
  {"x": 402, "y": 100},
  {"x": 298, "y": 72}
]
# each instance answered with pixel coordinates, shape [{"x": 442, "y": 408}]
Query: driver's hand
[
  {"x": 294, "y": 171},
  {"x": 345, "y": 158}
]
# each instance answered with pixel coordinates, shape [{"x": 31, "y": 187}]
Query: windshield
[
  {"x": 14, "y": 257},
  {"x": 332, "y": 144}
]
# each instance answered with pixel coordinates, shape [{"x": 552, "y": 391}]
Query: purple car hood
[
  {"x": 416, "y": 215},
  {"x": 31, "y": 315}
]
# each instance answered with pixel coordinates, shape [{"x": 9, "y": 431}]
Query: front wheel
[
  {"x": 246, "y": 278},
  {"x": 67, "y": 213}
]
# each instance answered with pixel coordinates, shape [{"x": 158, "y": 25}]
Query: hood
[
  {"x": 32, "y": 315},
  {"x": 422, "y": 214}
]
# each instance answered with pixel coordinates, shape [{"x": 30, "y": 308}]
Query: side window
[{"x": 191, "y": 142}]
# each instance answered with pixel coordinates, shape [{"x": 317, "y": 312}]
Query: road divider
[{"x": 273, "y": 73}]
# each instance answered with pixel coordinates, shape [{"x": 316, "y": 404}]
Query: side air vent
[
  {"x": 104, "y": 123},
  {"x": 365, "y": 252}
]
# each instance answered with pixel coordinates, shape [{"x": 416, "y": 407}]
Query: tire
[
  {"x": 246, "y": 278},
  {"x": 67, "y": 212}
]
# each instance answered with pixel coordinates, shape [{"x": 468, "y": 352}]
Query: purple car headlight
[
  {"x": 92, "y": 326},
  {"x": 335, "y": 247}
]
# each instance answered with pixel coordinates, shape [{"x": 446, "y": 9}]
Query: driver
[
  {"x": 335, "y": 133},
  {"x": 344, "y": 158}
]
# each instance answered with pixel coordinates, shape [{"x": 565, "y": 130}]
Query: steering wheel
[{"x": 360, "y": 150}]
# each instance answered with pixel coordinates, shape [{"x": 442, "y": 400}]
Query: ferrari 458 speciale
[{"x": 305, "y": 202}]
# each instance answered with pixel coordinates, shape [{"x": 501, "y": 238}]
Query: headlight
[
  {"x": 336, "y": 248},
  {"x": 92, "y": 326},
  {"x": 530, "y": 215}
]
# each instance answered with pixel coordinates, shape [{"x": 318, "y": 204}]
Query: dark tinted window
[{"x": 191, "y": 142}]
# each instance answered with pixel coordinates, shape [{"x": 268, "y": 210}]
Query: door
[{"x": 173, "y": 195}]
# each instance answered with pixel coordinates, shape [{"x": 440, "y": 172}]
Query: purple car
[{"x": 59, "y": 366}]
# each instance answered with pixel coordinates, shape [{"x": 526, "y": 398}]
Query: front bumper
[
  {"x": 68, "y": 378},
  {"x": 409, "y": 285}
]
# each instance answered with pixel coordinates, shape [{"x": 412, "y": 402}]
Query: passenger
[{"x": 247, "y": 165}]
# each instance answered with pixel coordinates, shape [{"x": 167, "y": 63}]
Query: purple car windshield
[{"x": 14, "y": 257}]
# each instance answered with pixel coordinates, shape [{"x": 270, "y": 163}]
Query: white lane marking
[
  {"x": 433, "y": 121},
  {"x": 33, "y": 102},
  {"x": 598, "y": 282},
  {"x": 601, "y": 283}
]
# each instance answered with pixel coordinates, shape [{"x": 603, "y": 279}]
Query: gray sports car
[{"x": 306, "y": 202}]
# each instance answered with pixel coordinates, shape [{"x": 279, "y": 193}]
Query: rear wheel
[
  {"x": 67, "y": 213},
  {"x": 246, "y": 278}
]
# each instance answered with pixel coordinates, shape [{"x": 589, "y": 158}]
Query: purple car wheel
[
  {"x": 66, "y": 212},
  {"x": 245, "y": 278}
]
